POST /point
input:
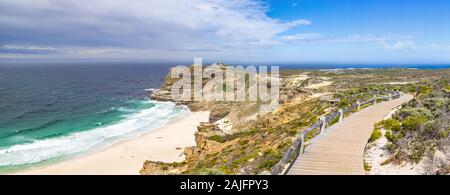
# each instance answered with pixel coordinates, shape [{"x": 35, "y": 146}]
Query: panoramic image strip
[{"x": 188, "y": 88}]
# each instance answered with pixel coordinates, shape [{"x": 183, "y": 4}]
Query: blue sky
[{"x": 285, "y": 31}]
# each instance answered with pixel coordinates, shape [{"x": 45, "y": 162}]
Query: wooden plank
[{"x": 340, "y": 149}]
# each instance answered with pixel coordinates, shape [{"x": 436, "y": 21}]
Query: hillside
[{"x": 239, "y": 141}]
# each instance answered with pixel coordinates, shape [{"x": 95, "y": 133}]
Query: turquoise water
[{"x": 51, "y": 112}]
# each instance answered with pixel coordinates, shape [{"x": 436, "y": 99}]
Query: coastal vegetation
[
  {"x": 419, "y": 131},
  {"x": 254, "y": 142}
]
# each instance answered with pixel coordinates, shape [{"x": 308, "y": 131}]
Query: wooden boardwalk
[{"x": 340, "y": 149}]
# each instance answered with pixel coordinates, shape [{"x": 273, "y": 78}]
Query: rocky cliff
[{"x": 254, "y": 141}]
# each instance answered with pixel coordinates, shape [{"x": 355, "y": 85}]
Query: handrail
[{"x": 298, "y": 147}]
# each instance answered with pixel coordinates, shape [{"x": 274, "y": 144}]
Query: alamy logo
[{"x": 227, "y": 84}]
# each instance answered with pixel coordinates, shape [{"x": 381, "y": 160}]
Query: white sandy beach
[{"x": 165, "y": 144}]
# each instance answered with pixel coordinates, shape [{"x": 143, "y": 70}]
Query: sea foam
[{"x": 77, "y": 143}]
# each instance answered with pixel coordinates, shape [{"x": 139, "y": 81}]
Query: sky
[{"x": 262, "y": 31}]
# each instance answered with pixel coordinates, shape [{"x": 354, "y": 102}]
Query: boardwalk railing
[{"x": 298, "y": 147}]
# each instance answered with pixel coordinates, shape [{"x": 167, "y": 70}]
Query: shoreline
[{"x": 128, "y": 156}]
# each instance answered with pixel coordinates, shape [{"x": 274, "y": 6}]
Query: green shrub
[
  {"x": 424, "y": 91},
  {"x": 392, "y": 125},
  {"x": 386, "y": 162},
  {"x": 417, "y": 152},
  {"x": 390, "y": 147},
  {"x": 345, "y": 103},
  {"x": 367, "y": 167},
  {"x": 447, "y": 88},
  {"x": 334, "y": 121},
  {"x": 436, "y": 104},
  {"x": 376, "y": 134},
  {"x": 243, "y": 142},
  {"x": 311, "y": 134},
  {"x": 270, "y": 158},
  {"x": 390, "y": 137},
  {"x": 218, "y": 138},
  {"x": 444, "y": 133},
  {"x": 414, "y": 112},
  {"x": 223, "y": 170},
  {"x": 412, "y": 123}
]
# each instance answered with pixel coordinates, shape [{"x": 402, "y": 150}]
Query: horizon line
[{"x": 174, "y": 62}]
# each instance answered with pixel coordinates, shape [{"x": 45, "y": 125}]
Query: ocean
[{"x": 52, "y": 112}]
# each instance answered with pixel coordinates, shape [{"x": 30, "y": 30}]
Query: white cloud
[
  {"x": 26, "y": 49},
  {"x": 371, "y": 38},
  {"x": 438, "y": 47},
  {"x": 319, "y": 38},
  {"x": 303, "y": 37},
  {"x": 167, "y": 29},
  {"x": 299, "y": 22},
  {"x": 207, "y": 25},
  {"x": 399, "y": 45}
]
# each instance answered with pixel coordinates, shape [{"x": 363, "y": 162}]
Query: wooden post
[
  {"x": 359, "y": 105},
  {"x": 323, "y": 124},
  {"x": 341, "y": 115},
  {"x": 390, "y": 97},
  {"x": 302, "y": 144},
  {"x": 374, "y": 100}
]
